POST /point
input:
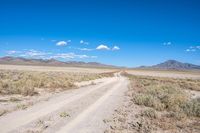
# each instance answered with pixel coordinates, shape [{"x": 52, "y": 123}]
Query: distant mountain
[
  {"x": 173, "y": 65},
  {"x": 51, "y": 62}
]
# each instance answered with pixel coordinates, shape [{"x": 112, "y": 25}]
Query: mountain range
[
  {"x": 172, "y": 65},
  {"x": 50, "y": 62},
  {"x": 167, "y": 65}
]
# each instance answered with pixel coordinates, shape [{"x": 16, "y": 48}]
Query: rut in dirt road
[{"x": 91, "y": 119}]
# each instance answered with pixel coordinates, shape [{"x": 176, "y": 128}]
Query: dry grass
[
  {"x": 150, "y": 113},
  {"x": 27, "y": 83},
  {"x": 166, "y": 95},
  {"x": 191, "y": 84},
  {"x": 64, "y": 114},
  {"x": 158, "y": 105}
]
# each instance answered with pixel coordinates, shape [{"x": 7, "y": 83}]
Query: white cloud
[
  {"x": 83, "y": 56},
  {"x": 71, "y": 56},
  {"x": 83, "y": 42},
  {"x": 115, "y": 48},
  {"x": 64, "y": 55},
  {"x": 34, "y": 54},
  {"x": 167, "y": 43},
  {"x": 190, "y": 50},
  {"x": 12, "y": 52},
  {"x": 103, "y": 47},
  {"x": 193, "y": 49},
  {"x": 85, "y": 49},
  {"x": 27, "y": 53},
  {"x": 63, "y": 43},
  {"x": 47, "y": 55}
]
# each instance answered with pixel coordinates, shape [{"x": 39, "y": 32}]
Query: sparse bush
[
  {"x": 151, "y": 113},
  {"x": 192, "y": 107},
  {"x": 149, "y": 101},
  {"x": 161, "y": 95},
  {"x": 22, "y": 106},
  {"x": 168, "y": 107},
  {"x": 26, "y": 83},
  {"x": 177, "y": 115},
  {"x": 64, "y": 114}
]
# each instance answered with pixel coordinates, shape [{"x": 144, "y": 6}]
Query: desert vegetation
[
  {"x": 166, "y": 95},
  {"x": 159, "y": 104},
  {"x": 21, "y": 89},
  {"x": 27, "y": 83}
]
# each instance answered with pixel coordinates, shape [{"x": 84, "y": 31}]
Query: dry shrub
[
  {"x": 192, "y": 107},
  {"x": 191, "y": 84},
  {"x": 168, "y": 108},
  {"x": 25, "y": 83},
  {"x": 164, "y": 96},
  {"x": 148, "y": 100},
  {"x": 161, "y": 97},
  {"x": 177, "y": 115},
  {"x": 150, "y": 113}
]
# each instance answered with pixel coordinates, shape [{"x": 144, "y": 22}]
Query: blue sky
[{"x": 125, "y": 33}]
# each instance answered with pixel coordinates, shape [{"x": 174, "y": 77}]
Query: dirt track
[{"x": 80, "y": 110}]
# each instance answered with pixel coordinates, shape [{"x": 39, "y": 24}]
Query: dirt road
[{"x": 80, "y": 110}]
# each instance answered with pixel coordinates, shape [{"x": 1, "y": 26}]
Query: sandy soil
[
  {"x": 171, "y": 74},
  {"x": 79, "y": 110},
  {"x": 56, "y": 69}
]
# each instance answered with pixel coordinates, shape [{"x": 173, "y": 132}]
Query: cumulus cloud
[
  {"x": 63, "y": 43},
  {"x": 103, "y": 47},
  {"x": 83, "y": 42},
  {"x": 115, "y": 48},
  {"x": 167, "y": 43}
]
